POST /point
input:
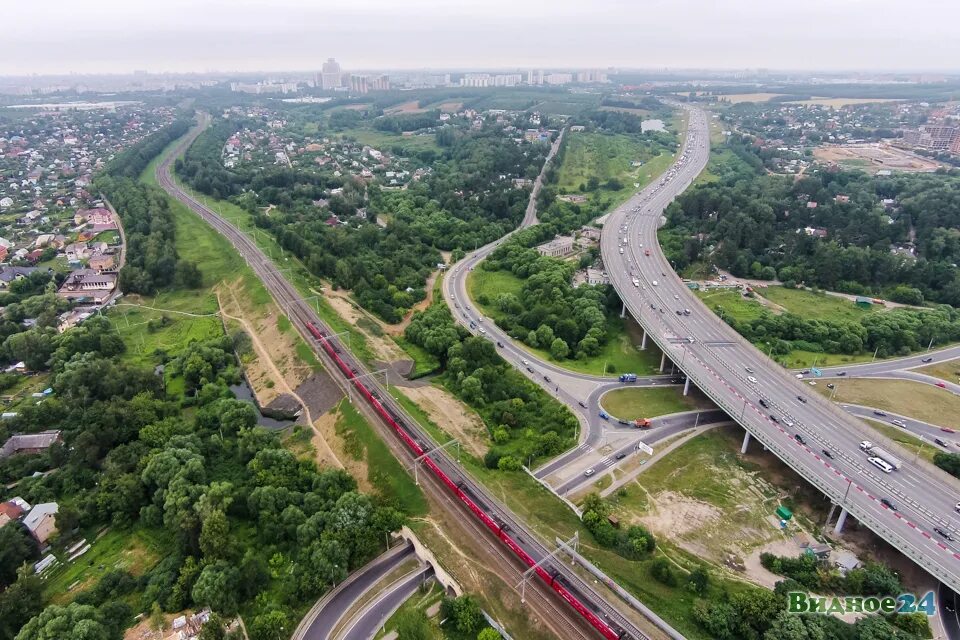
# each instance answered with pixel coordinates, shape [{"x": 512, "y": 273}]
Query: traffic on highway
[{"x": 805, "y": 430}]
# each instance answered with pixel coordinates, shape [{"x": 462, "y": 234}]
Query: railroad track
[{"x": 592, "y": 604}]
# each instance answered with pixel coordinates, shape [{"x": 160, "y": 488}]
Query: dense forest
[
  {"x": 238, "y": 514},
  {"x": 767, "y": 226},
  {"x": 525, "y": 424},
  {"x": 464, "y": 201},
  {"x": 131, "y": 162}
]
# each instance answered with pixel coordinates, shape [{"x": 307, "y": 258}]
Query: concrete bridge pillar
[
  {"x": 623, "y": 309},
  {"x": 838, "y": 528},
  {"x": 686, "y": 386},
  {"x": 663, "y": 362},
  {"x": 746, "y": 442},
  {"x": 643, "y": 341}
]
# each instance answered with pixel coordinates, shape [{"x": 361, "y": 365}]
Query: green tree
[
  {"x": 270, "y": 626},
  {"x": 412, "y": 624},
  {"x": 217, "y": 586},
  {"x": 489, "y": 633},
  {"x": 16, "y": 547},
  {"x": 559, "y": 349},
  {"x": 72, "y": 622},
  {"x": 464, "y": 613}
]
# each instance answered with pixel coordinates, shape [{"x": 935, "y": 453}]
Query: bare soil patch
[
  {"x": 326, "y": 438},
  {"x": 874, "y": 157},
  {"x": 675, "y": 514},
  {"x": 453, "y": 416},
  {"x": 407, "y": 107},
  {"x": 383, "y": 347}
]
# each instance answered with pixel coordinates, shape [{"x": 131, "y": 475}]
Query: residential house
[
  {"x": 87, "y": 283},
  {"x": 597, "y": 277},
  {"x": 42, "y": 521},
  {"x": 29, "y": 443},
  {"x": 77, "y": 251},
  {"x": 816, "y": 232},
  {"x": 9, "y": 274},
  {"x": 9, "y": 512}
]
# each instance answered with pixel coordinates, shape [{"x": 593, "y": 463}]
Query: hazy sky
[{"x": 56, "y": 36}]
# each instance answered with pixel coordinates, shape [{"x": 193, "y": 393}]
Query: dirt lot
[
  {"x": 407, "y": 107},
  {"x": 326, "y": 432},
  {"x": 276, "y": 368},
  {"x": 383, "y": 348},
  {"x": 450, "y": 107},
  {"x": 453, "y": 416},
  {"x": 873, "y": 157}
]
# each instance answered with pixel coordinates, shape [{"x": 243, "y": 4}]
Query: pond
[{"x": 243, "y": 392}]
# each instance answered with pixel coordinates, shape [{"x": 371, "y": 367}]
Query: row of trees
[
  {"x": 809, "y": 573},
  {"x": 895, "y": 332},
  {"x": 152, "y": 260}
]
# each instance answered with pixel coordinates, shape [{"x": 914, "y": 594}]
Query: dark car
[
  {"x": 799, "y": 438},
  {"x": 944, "y": 533},
  {"x": 888, "y": 504},
  {"x": 877, "y": 412},
  {"x": 805, "y": 371},
  {"x": 831, "y": 386},
  {"x": 827, "y": 453},
  {"x": 530, "y": 369},
  {"x": 621, "y": 456},
  {"x": 582, "y": 403},
  {"x": 802, "y": 399},
  {"x": 941, "y": 442},
  {"x": 949, "y": 605},
  {"x": 774, "y": 418},
  {"x": 547, "y": 379},
  {"x": 841, "y": 374},
  {"x": 763, "y": 403},
  {"x": 679, "y": 313},
  {"x": 927, "y": 360},
  {"x": 499, "y": 344}
]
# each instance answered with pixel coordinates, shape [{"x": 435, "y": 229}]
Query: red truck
[{"x": 642, "y": 423}]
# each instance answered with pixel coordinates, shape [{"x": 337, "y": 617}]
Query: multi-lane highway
[
  {"x": 806, "y": 431},
  {"x": 301, "y": 314}
]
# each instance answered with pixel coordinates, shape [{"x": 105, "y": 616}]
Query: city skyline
[{"x": 110, "y": 36}]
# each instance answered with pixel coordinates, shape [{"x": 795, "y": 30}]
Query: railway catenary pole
[
  {"x": 416, "y": 461},
  {"x": 572, "y": 542},
  {"x": 576, "y": 587}
]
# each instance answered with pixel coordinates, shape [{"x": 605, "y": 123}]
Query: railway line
[{"x": 516, "y": 545}]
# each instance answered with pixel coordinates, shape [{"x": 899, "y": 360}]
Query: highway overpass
[{"x": 810, "y": 434}]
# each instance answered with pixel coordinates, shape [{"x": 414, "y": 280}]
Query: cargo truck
[
  {"x": 878, "y": 452},
  {"x": 642, "y": 423},
  {"x": 628, "y": 377}
]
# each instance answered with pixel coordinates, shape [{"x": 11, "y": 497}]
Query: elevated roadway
[{"x": 810, "y": 434}]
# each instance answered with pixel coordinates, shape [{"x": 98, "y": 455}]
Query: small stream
[{"x": 243, "y": 392}]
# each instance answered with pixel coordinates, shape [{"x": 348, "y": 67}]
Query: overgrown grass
[
  {"x": 135, "y": 550},
  {"x": 385, "y": 472},
  {"x": 921, "y": 401},
  {"x": 814, "y": 306}
]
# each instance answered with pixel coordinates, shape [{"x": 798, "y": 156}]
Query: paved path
[
  {"x": 365, "y": 624},
  {"x": 324, "y": 616}
]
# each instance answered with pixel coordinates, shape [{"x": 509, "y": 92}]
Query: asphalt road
[
  {"x": 947, "y": 610},
  {"x": 333, "y": 609},
  {"x": 736, "y": 376},
  {"x": 300, "y": 314},
  {"x": 366, "y": 624}
]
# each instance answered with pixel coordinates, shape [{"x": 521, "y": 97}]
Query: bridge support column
[
  {"x": 746, "y": 442},
  {"x": 838, "y": 528},
  {"x": 643, "y": 341},
  {"x": 663, "y": 362},
  {"x": 623, "y": 309},
  {"x": 686, "y": 386}
]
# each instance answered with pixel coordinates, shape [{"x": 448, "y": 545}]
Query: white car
[
  {"x": 881, "y": 464},
  {"x": 654, "y": 283},
  {"x": 588, "y": 472},
  {"x": 676, "y": 297},
  {"x": 752, "y": 379}
]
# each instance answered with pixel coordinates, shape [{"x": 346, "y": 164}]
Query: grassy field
[
  {"x": 949, "y": 370},
  {"x": 814, "y": 306},
  {"x": 920, "y": 401},
  {"x": 619, "y": 355},
  {"x": 631, "y": 403},
  {"x": 386, "y": 473},
  {"x": 384, "y": 140},
  {"x": 729, "y": 303},
  {"x": 609, "y": 156},
  {"x": 136, "y": 551}
]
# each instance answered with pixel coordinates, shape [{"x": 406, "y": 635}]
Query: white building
[{"x": 557, "y": 248}]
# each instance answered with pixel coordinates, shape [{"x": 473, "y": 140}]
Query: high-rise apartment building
[
  {"x": 933, "y": 136},
  {"x": 331, "y": 76}
]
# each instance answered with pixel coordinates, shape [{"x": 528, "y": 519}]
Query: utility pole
[{"x": 416, "y": 461}]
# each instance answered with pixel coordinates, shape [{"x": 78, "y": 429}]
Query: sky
[{"x": 119, "y": 36}]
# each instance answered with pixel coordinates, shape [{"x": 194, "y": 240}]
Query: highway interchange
[{"x": 797, "y": 424}]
